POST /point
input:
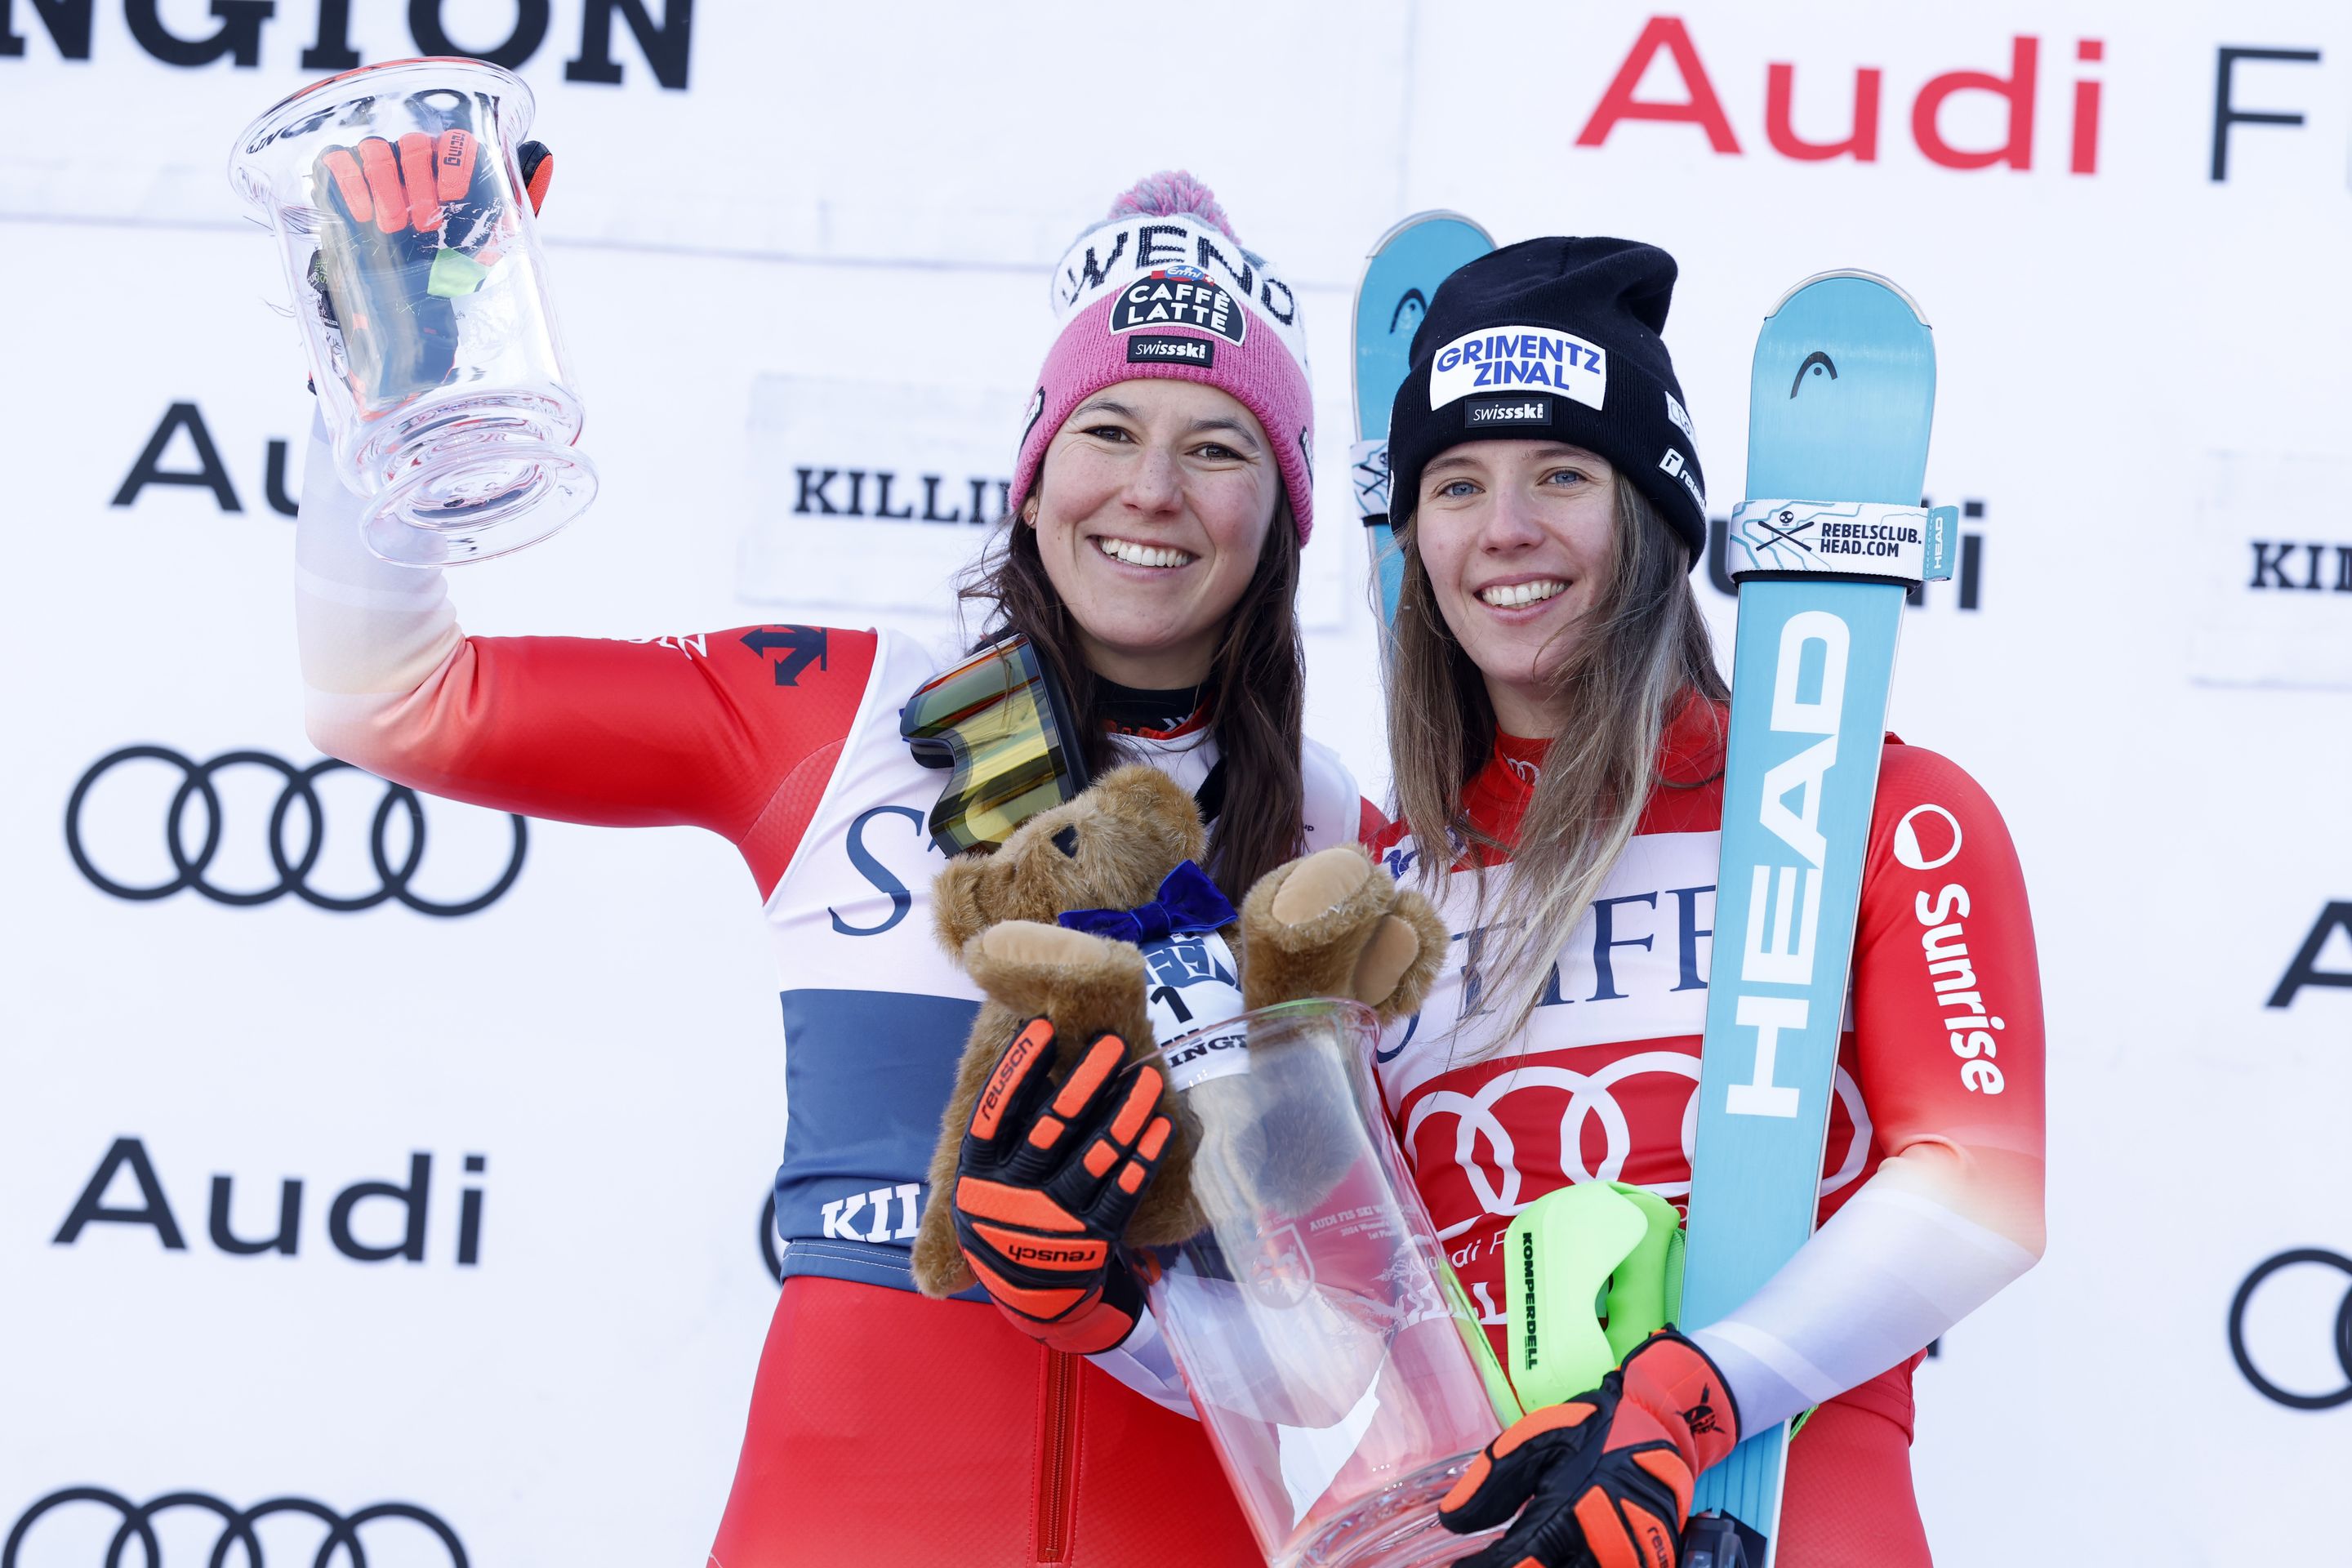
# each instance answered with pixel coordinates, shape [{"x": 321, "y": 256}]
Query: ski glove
[
  {"x": 406, "y": 227},
  {"x": 1605, "y": 1478},
  {"x": 1044, "y": 1191}
]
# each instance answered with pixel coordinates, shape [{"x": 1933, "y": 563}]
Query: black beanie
[{"x": 1554, "y": 339}]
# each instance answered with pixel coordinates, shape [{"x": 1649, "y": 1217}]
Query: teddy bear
[{"x": 1332, "y": 923}]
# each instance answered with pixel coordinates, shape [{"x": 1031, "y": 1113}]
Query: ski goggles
[{"x": 999, "y": 722}]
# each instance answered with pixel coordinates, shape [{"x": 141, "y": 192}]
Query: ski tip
[
  {"x": 1885, "y": 282},
  {"x": 1435, "y": 215}
]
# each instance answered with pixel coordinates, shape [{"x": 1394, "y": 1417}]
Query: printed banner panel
[
  {"x": 372, "y": 1150},
  {"x": 2274, "y": 545}
]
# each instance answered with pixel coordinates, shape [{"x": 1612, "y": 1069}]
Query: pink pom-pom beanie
[{"x": 1162, "y": 289}]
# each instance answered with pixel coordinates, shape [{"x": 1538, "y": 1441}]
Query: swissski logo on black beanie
[{"x": 1556, "y": 340}]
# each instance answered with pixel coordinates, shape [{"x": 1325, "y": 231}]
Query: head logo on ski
[
  {"x": 1420, "y": 303},
  {"x": 1816, "y": 360}
]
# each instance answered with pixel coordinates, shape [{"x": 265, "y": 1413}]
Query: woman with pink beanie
[{"x": 1139, "y": 607}]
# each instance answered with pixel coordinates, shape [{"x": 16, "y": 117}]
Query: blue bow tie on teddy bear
[{"x": 1188, "y": 902}]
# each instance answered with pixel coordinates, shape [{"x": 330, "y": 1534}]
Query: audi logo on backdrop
[
  {"x": 268, "y": 849},
  {"x": 2317, "y": 1332},
  {"x": 427, "y": 1537}
]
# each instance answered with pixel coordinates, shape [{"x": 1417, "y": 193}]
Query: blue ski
[
  {"x": 1403, "y": 269},
  {"x": 1842, "y": 396}
]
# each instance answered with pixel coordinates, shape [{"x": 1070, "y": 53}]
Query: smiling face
[
  {"x": 1518, "y": 539},
  {"x": 1150, "y": 511}
]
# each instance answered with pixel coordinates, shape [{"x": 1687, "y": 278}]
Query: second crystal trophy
[{"x": 1338, "y": 1374}]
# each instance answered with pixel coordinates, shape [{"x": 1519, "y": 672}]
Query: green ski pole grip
[
  {"x": 1590, "y": 1271},
  {"x": 1645, "y": 1293}
]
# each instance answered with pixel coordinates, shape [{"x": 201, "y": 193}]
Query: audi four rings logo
[
  {"x": 2341, "y": 1332},
  {"x": 1523, "y": 1110},
  {"x": 198, "y": 796},
  {"x": 234, "y": 1527}
]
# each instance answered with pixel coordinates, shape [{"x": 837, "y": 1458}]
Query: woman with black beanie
[{"x": 1557, "y": 726}]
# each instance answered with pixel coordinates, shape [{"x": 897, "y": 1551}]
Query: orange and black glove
[
  {"x": 1604, "y": 1479},
  {"x": 1044, "y": 1191},
  {"x": 408, "y": 227}
]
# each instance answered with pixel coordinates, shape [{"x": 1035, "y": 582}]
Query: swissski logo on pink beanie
[{"x": 1162, "y": 290}]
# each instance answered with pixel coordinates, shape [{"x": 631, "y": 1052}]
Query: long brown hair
[
  {"x": 1255, "y": 694},
  {"x": 1641, "y": 649}
]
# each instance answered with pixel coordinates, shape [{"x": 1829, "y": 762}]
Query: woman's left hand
[
  {"x": 1045, "y": 1190},
  {"x": 1604, "y": 1477}
]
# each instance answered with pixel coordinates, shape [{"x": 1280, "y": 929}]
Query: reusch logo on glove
[
  {"x": 1028, "y": 1252},
  {"x": 1180, "y": 295},
  {"x": 1009, "y": 1072}
]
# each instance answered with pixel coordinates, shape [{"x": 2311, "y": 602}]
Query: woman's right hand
[
  {"x": 1602, "y": 1480},
  {"x": 404, "y": 225},
  {"x": 1044, "y": 1191}
]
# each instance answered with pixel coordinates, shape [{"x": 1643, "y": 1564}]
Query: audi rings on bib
[
  {"x": 2342, "y": 1330},
  {"x": 1590, "y": 1096},
  {"x": 293, "y": 871},
  {"x": 237, "y": 1528}
]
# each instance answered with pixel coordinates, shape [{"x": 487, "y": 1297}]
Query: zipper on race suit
[{"x": 1057, "y": 1456}]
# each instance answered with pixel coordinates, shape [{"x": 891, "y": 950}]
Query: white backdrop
[{"x": 824, "y": 246}]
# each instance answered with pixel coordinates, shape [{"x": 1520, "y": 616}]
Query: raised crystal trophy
[
  {"x": 421, "y": 293},
  {"x": 1343, "y": 1379}
]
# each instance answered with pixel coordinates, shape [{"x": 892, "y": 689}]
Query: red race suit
[
  {"x": 1931, "y": 1183},
  {"x": 885, "y": 1428}
]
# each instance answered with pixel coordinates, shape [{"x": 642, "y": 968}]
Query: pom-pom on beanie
[
  {"x": 1162, "y": 290},
  {"x": 1555, "y": 340}
]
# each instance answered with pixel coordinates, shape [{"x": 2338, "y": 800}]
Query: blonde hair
[{"x": 1641, "y": 650}]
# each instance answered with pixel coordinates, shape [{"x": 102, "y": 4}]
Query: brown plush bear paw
[
  {"x": 1085, "y": 982},
  {"x": 1401, "y": 960},
  {"x": 1308, "y": 927}
]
